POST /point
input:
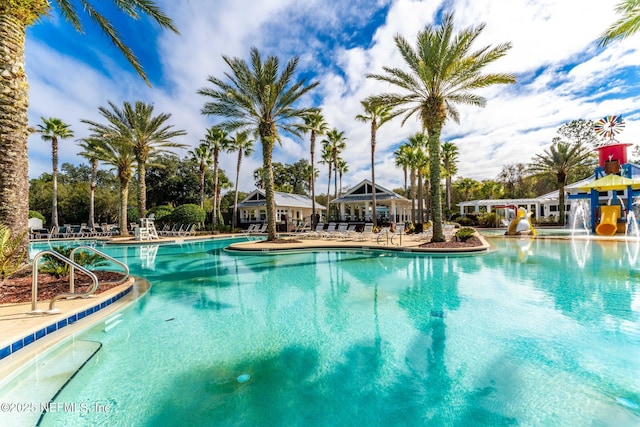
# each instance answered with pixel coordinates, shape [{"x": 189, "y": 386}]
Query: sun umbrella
[{"x": 612, "y": 182}]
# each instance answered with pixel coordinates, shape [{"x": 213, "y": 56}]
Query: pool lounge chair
[
  {"x": 314, "y": 234},
  {"x": 398, "y": 234},
  {"x": 251, "y": 229}
]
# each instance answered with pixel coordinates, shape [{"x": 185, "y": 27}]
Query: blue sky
[{"x": 562, "y": 74}]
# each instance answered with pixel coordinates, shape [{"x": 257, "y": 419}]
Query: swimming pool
[{"x": 537, "y": 332}]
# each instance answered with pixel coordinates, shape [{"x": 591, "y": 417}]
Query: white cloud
[{"x": 562, "y": 76}]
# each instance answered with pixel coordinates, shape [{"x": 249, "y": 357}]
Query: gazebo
[{"x": 356, "y": 205}]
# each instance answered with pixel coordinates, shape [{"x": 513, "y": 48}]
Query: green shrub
[
  {"x": 188, "y": 214},
  {"x": 464, "y": 221},
  {"x": 59, "y": 268},
  {"x": 11, "y": 252},
  {"x": 465, "y": 233},
  {"x": 488, "y": 220},
  {"x": 161, "y": 213}
]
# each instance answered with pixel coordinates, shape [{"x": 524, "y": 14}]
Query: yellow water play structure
[
  {"x": 521, "y": 224},
  {"x": 608, "y": 225}
]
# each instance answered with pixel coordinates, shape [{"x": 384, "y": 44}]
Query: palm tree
[
  {"x": 204, "y": 156},
  {"x": 378, "y": 115},
  {"x": 624, "y": 27},
  {"x": 217, "y": 139},
  {"x": 403, "y": 159},
  {"x": 326, "y": 158},
  {"x": 442, "y": 72},
  {"x": 450, "y": 168},
  {"x": 149, "y": 137},
  {"x": 491, "y": 189},
  {"x": 261, "y": 100},
  {"x": 90, "y": 153},
  {"x": 244, "y": 146},
  {"x": 334, "y": 143},
  {"x": 115, "y": 150},
  {"x": 342, "y": 167},
  {"x": 15, "y": 17},
  {"x": 316, "y": 126},
  {"x": 419, "y": 161},
  {"x": 560, "y": 159},
  {"x": 467, "y": 186},
  {"x": 52, "y": 129}
]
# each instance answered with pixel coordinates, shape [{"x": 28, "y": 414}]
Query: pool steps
[{"x": 41, "y": 380}]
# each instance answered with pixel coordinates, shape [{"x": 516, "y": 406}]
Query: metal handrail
[
  {"x": 102, "y": 254},
  {"x": 34, "y": 280},
  {"x": 73, "y": 265}
]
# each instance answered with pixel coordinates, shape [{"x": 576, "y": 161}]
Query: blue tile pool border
[{"x": 59, "y": 324}]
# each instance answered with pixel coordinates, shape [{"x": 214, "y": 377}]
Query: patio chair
[
  {"x": 331, "y": 228},
  {"x": 398, "y": 233},
  {"x": 340, "y": 232},
  {"x": 314, "y": 234},
  {"x": 189, "y": 230},
  {"x": 251, "y": 229}
]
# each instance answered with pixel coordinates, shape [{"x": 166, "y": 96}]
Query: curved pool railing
[
  {"x": 34, "y": 282},
  {"x": 73, "y": 266}
]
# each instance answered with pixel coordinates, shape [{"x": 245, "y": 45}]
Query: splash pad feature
[{"x": 613, "y": 176}]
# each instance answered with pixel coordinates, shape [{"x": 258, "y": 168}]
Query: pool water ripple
[{"x": 534, "y": 333}]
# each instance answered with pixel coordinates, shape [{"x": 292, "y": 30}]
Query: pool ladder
[{"x": 73, "y": 266}]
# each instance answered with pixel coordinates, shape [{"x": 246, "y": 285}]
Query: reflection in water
[
  {"x": 581, "y": 249},
  {"x": 371, "y": 338}
]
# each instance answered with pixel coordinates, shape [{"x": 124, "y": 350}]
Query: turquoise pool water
[{"x": 537, "y": 332}]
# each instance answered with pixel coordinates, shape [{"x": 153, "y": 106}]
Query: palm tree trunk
[
  {"x": 14, "y": 101},
  {"x": 420, "y": 199},
  {"x": 214, "y": 220},
  {"x": 373, "y": 173},
  {"x": 412, "y": 175},
  {"x": 202, "y": 172},
  {"x": 313, "y": 180},
  {"x": 142, "y": 189},
  {"x": 329, "y": 189},
  {"x": 92, "y": 193},
  {"x": 434, "y": 184},
  {"x": 54, "y": 179},
  {"x": 124, "y": 197},
  {"x": 267, "y": 154},
  {"x": 235, "y": 200},
  {"x": 561, "y": 183}
]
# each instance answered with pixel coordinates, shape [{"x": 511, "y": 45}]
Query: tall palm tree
[
  {"x": 402, "y": 161},
  {"x": 450, "y": 168},
  {"x": 559, "y": 160},
  {"x": 335, "y": 143},
  {"x": 115, "y": 149},
  {"x": 442, "y": 72},
  {"x": 52, "y": 129},
  {"x": 377, "y": 115},
  {"x": 204, "y": 156},
  {"x": 261, "y": 100},
  {"x": 148, "y": 135},
  {"x": 419, "y": 161},
  {"x": 316, "y": 126},
  {"x": 627, "y": 25},
  {"x": 15, "y": 17},
  {"x": 326, "y": 158},
  {"x": 342, "y": 167},
  {"x": 217, "y": 139},
  {"x": 90, "y": 153},
  {"x": 241, "y": 143}
]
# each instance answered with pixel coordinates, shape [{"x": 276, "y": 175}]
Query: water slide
[
  {"x": 521, "y": 224},
  {"x": 608, "y": 220}
]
